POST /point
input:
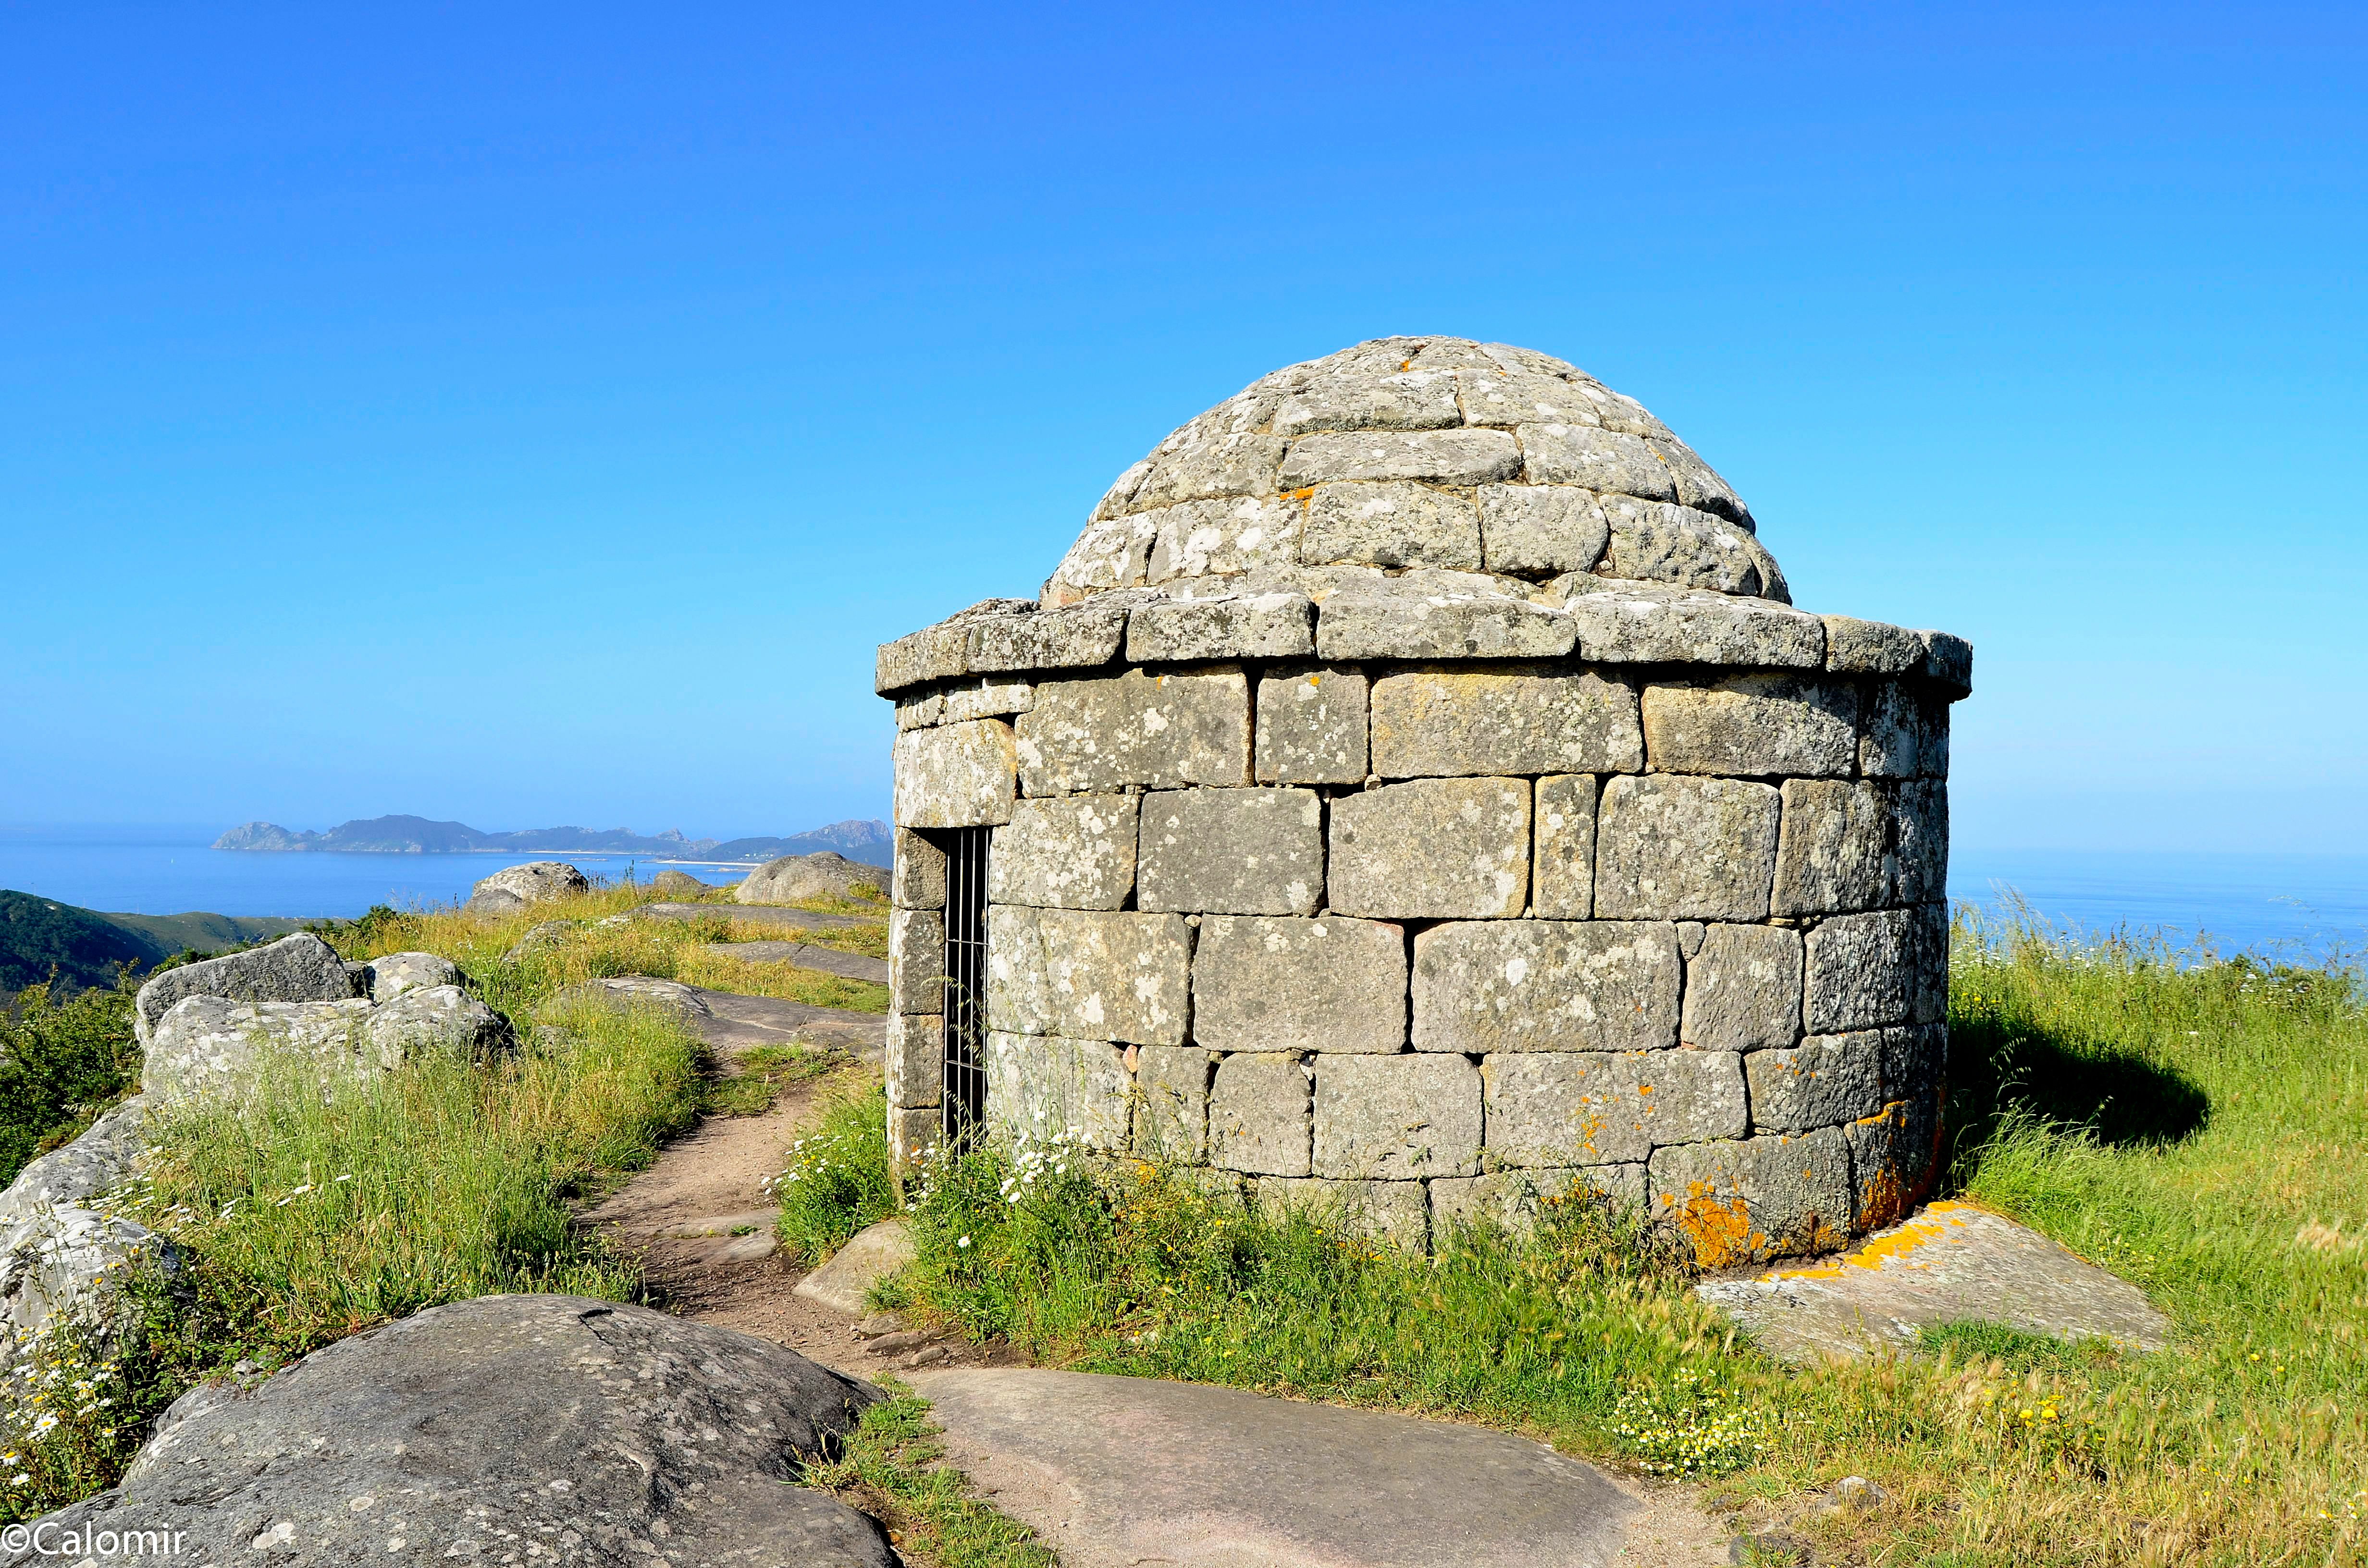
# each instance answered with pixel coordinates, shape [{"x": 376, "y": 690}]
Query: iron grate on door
[{"x": 965, "y": 986}]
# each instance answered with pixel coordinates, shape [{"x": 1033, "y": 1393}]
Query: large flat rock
[
  {"x": 805, "y": 955},
  {"x": 1950, "y": 1262},
  {"x": 587, "y": 1432},
  {"x": 1118, "y": 1471},
  {"x": 738, "y": 1022}
]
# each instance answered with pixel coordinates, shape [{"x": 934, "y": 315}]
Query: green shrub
[
  {"x": 61, "y": 1064},
  {"x": 837, "y": 1180}
]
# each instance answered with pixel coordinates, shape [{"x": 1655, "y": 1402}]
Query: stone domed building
[{"x": 1416, "y": 786}]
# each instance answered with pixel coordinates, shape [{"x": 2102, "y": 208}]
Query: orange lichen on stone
[
  {"x": 1719, "y": 1228},
  {"x": 1897, "y": 1249}
]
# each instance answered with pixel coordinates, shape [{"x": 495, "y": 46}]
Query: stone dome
[{"x": 1427, "y": 454}]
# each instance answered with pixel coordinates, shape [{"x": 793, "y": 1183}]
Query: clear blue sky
[{"x": 533, "y": 415}]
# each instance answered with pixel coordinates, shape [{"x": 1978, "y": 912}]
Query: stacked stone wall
[{"x": 1442, "y": 934}]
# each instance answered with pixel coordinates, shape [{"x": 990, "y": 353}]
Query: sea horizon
[{"x": 2286, "y": 905}]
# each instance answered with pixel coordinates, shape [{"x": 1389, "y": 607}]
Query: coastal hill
[
  {"x": 869, "y": 842},
  {"x": 39, "y": 936}
]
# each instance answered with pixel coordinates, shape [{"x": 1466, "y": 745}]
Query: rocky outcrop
[
  {"x": 678, "y": 884},
  {"x": 583, "y": 1431},
  {"x": 509, "y": 891},
  {"x": 56, "y": 1246},
  {"x": 212, "y": 1044},
  {"x": 794, "y": 878},
  {"x": 384, "y": 978},
  {"x": 302, "y": 968}
]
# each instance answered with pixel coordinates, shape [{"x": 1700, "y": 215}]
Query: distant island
[{"x": 869, "y": 842}]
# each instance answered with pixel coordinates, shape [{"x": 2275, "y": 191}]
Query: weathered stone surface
[
  {"x": 1509, "y": 397},
  {"x": 1087, "y": 975},
  {"x": 434, "y": 1021},
  {"x": 515, "y": 887},
  {"x": 911, "y": 1133},
  {"x": 914, "y": 1058},
  {"x": 1396, "y": 1118},
  {"x": 1907, "y": 733},
  {"x": 1258, "y": 1115},
  {"x": 956, "y": 776},
  {"x": 1562, "y": 870},
  {"x": 1171, "y": 1110},
  {"x": 871, "y": 1255},
  {"x": 1541, "y": 531},
  {"x": 1743, "y": 989},
  {"x": 1451, "y": 723},
  {"x": 1602, "y": 461},
  {"x": 1203, "y": 539},
  {"x": 1952, "y": 1263},
  {"x": 1547, "y": 985},
  {"x": 1759, "y": 1197},
  {"x": 1624, "y": 622},
  {"x": 78, "y": 1174},
  {"x": 61, "y": 1266},
  {"x": 1232, "y": 851},
  {"x": 1393, "y": 1212},
  {"x": 1213, "y": 467},
  {"x": 1311, "y": 727},
  {"x": 1048, "y": 1086},
  {"x": 213, "y": 1045},
  {"x": 630, "y": 991},
  {"x": 1514, "y": 1200},
  {"x": 992, "y": 697},
  {"x": 1929, "y": 927},
  {"x": 1587, "y": 1108},
  {"x": 1076, "y": 852},
  {"x": 671, "y": 883},
  {"x": 1896, "y": 1156},
  {"x": 1088, "y": 736},
  {"x": 1825, "y": 1081},
  {"x": 1243, "y": 1482},
  {"x": 1861, "y": 972},
  {"x": 1432, "y": 848},
  {"x": 917, "y": 961},
  {"x": 795, "y": 879},
  {"x": 1919, "y": 833},
  {"x": 1113, "y": 552},
  {"x": 1330, "y": 984},
  {"x": 933, "y": 653},
  {"x": 1391, "y": 525},
  {"x": 1948, "y": 662},
  {"x": 1439, "y": 456},
  {"x": 1829, "y": 853},
  {"x": 1246, "y": 625},
  {"x": 1753, "y": 725},
  {"x": 1870, "y": 647},
  {"x": 1699, "y": 484},
  {"x": 301, "y": 968},
  {"x": 1410, "y": 400},
  {"x": 1437, "y": 615},
  {"x": 390, "y": 975},
  {"x": 591, "y": 1425},
  {"x": 918, "y": 881},
  {"x": 1077, "y": 637},
  {"x": 1659, "y": 541},
  {"x": 1679, "y": 848}
]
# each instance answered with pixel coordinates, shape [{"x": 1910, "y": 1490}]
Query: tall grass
[{"x": 2196, "y": 1125}]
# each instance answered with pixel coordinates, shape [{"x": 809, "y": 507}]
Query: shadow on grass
[{"x": 2112, "y": 1093}]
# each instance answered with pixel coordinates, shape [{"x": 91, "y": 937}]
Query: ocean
[{"x": 2284, "y": 905}]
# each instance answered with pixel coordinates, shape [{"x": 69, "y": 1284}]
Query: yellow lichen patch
[
  {"x": 1932, "y": 1225},
  {"x": 1719, "y": 1228}
]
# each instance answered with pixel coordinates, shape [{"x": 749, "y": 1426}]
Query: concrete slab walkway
[
  {"x": 1950, "y": 1262},
  {"x": 1120, "y": 1473}
]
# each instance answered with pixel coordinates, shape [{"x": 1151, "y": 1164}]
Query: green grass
[
  {"x": 754, "y": 1078},
  {"x": 837, "y": 1180},
  {"x": 2198, "y": 1126},
  {"x": 891, "y": 1467},
  {"x": 303, "y": 1217}
]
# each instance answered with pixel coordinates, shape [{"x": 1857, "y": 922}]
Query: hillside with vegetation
[
  {"x": 43, "y": 941},
  {"x": 866, "y": 841}
]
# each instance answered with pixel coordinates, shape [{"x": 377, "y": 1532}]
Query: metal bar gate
[{"x": 965, "y": 992}]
